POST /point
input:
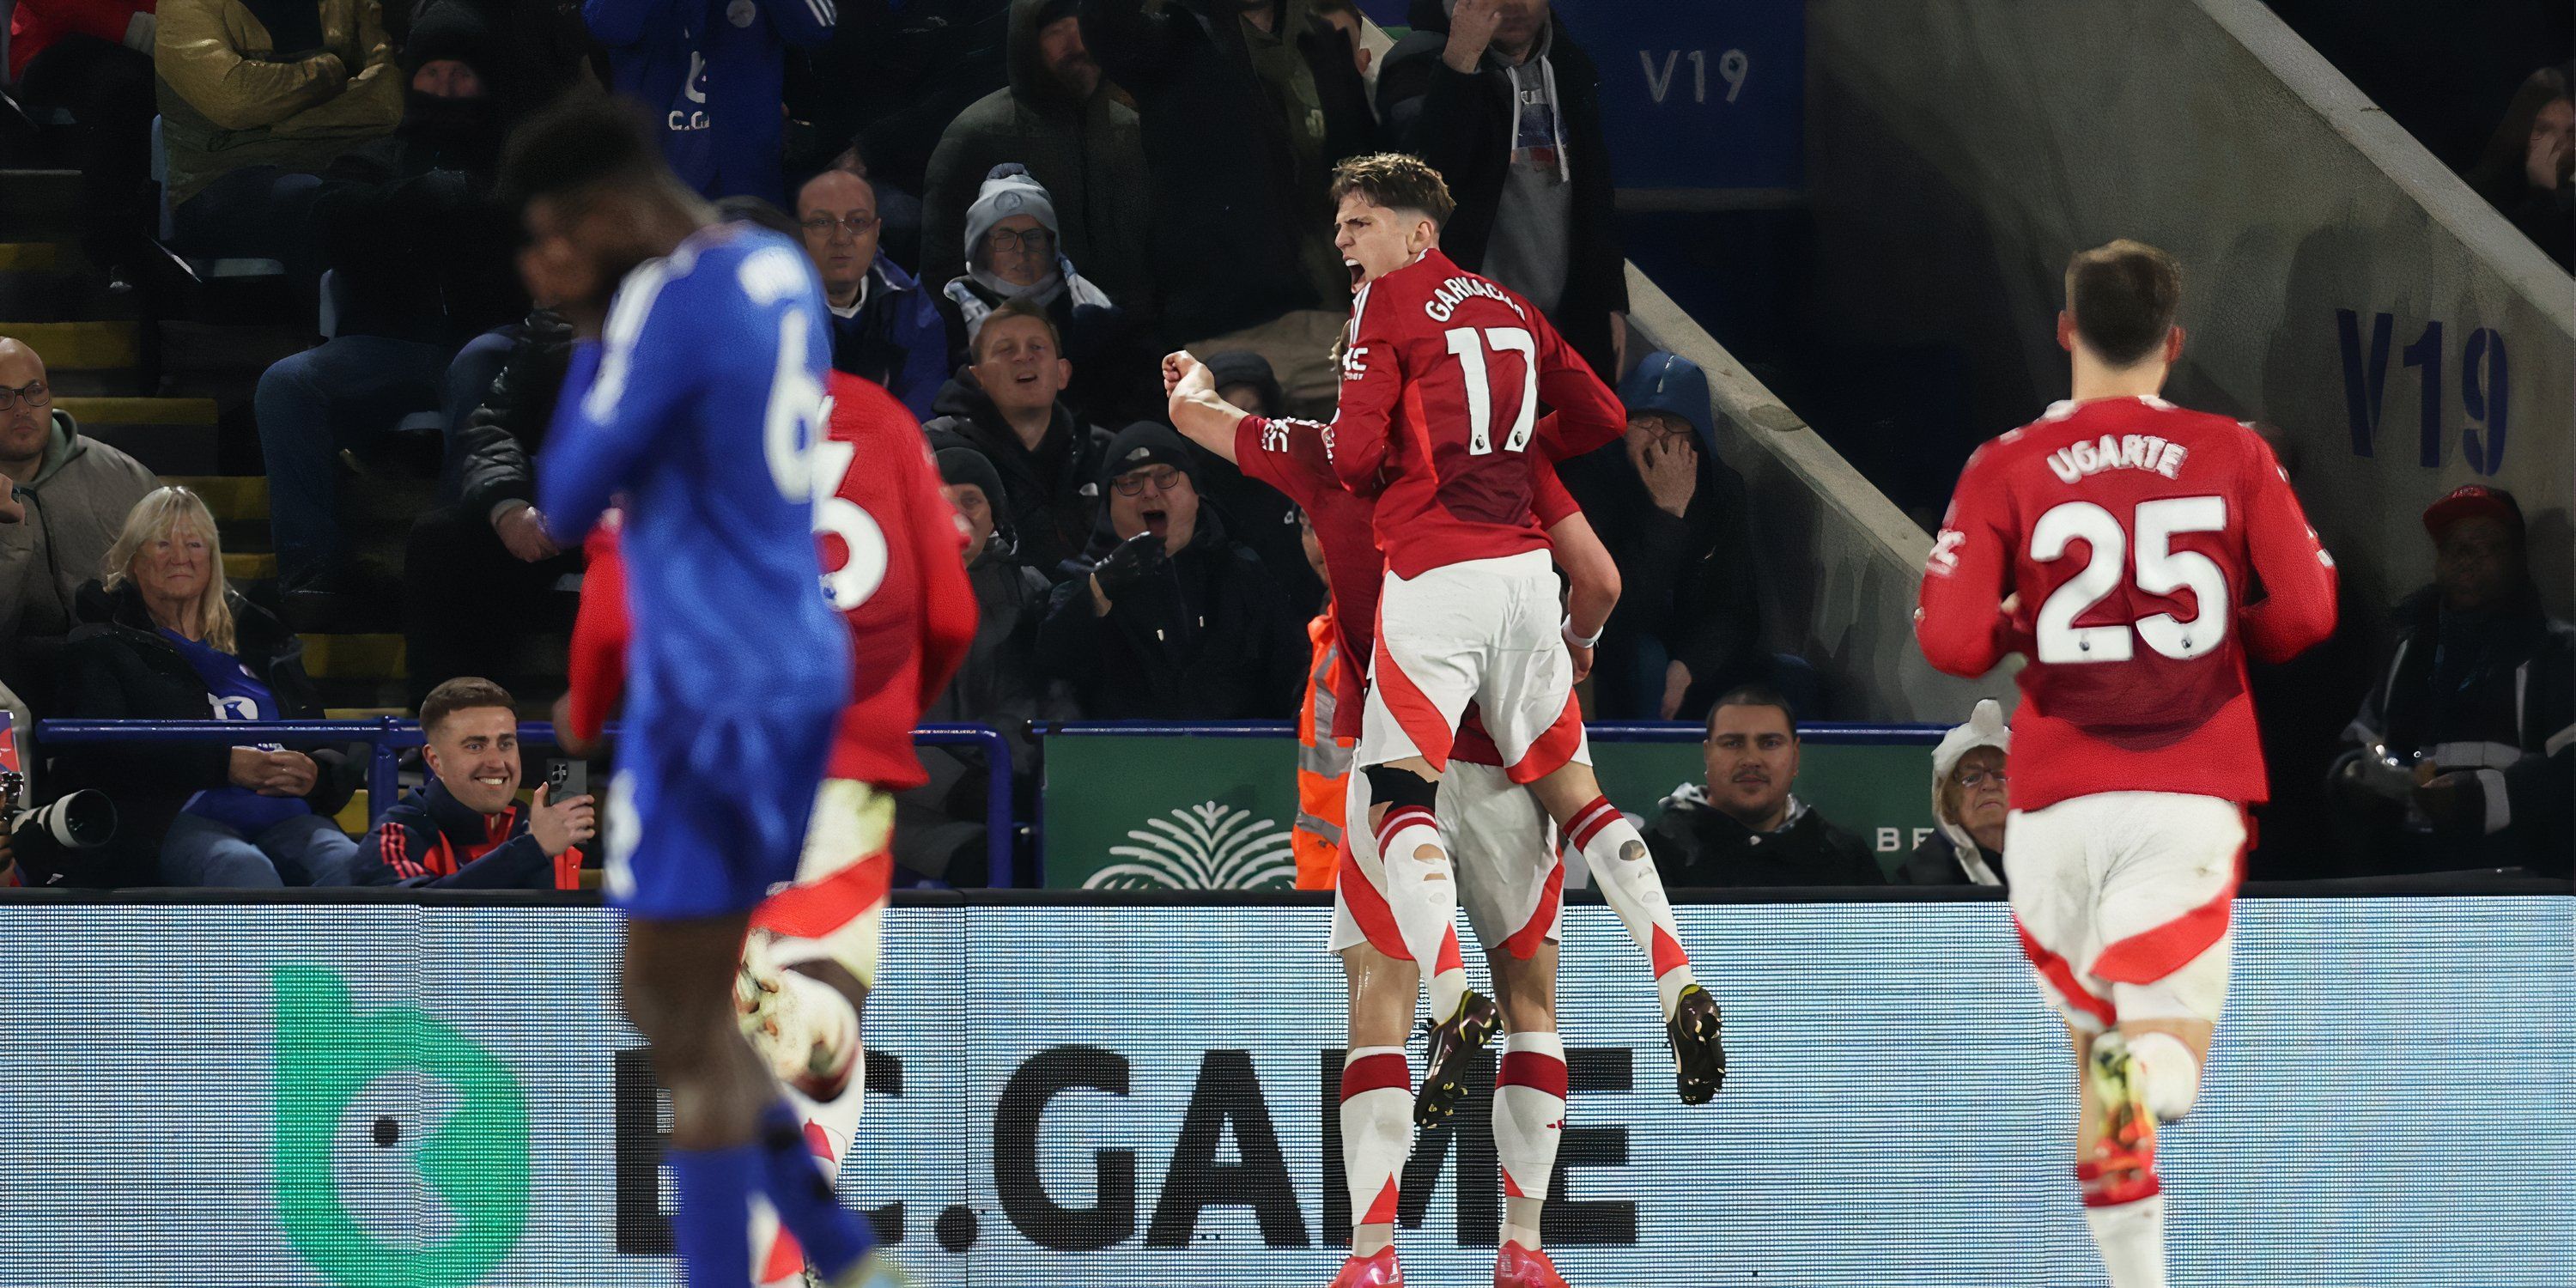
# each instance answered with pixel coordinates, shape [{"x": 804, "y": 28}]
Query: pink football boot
[{"x": 1520, "y": 1267}]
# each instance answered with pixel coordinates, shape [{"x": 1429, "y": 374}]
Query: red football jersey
[
  {"x": 893, "y": 565},
  {"x": 2134, "y": 533},
  {"x": 1289, "y": 455},
  {"x": 1443, "y": 377}
]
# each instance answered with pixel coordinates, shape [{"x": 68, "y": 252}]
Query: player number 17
[
  {"x": 2161, "y": 570},
  {"x": 1470, "y": 346}
]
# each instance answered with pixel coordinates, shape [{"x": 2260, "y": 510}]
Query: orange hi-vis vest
[{"x": 1323, "y": 765}]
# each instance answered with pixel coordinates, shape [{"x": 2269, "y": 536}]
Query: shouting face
[
  {"x": 1159, "y": 499},
  {"x": 1017, "y": 364},
  {"x": 1377, "y": 240}
]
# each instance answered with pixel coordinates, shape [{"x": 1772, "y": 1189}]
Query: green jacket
[
  {"x": 76, "y": 505},
  {"x": 1089, "y": 155},
  {"x": 228, "y": 99}
]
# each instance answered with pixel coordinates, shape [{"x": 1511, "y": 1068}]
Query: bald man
[
  {"x": 884, "y": 326},
  {"x": 68, "y": 499}
]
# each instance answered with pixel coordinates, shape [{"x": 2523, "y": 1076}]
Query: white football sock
[
  {"x": 1377, "y": 1136},
  {"x": 1626, "y": 876},
  {"x": 1423, "y": 895},
  {"x": 1529, "y": 1119},
  {"x": 2168, "y": 1069},
  {"x": 2131, "y": 1237}
]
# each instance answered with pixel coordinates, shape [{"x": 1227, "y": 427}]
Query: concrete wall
[
  {"x": 1960, "y": 150},
  {"x": 1840, "y": 564}
]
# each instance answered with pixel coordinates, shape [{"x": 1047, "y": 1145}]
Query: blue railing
[
  {"x": 1846, "y": 735},
  {"x": 387, "y": 737}
]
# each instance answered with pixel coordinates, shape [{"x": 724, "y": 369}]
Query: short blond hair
[{"x": 166, "y": 512}]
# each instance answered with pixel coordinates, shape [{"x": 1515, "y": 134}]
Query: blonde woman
[{"x": 162, "y": 638}]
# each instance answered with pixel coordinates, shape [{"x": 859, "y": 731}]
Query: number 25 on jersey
[{"x": 2159, "y": 570}]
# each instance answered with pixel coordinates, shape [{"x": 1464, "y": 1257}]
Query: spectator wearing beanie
[
  {"x": 713, "y": 81},
  {"x": 256, "y": 97},
  {"x": 1260, "y": 515},
  {"x": 940, "y": 828},
  {"x": 1058, "y": 119},
  {"x": 1173, "y": 620},
  {"x": 1677, "y": 521},
  {"x": 1014, "y": 252},
  {"x": 1971, "y": 776}
]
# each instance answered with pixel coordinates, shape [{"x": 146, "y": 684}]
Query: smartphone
[{"x": 566, "y": 779}]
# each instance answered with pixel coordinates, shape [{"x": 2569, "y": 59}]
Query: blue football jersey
[{"x": 700, "y": 406}]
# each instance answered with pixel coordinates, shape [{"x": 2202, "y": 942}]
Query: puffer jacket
[
  {"x": 75, "y": 506},
  {"x": 502, "y": 434},
  {"x": 228, "y": 99},
  {"x": 1088, "y": 155},
  {"x": 117, "y": 667},
  {"x": 1051, "y": 499}
]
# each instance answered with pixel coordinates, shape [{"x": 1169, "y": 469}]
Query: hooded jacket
[
  {"x": 2495, "y": 699},
  {"x": 1088, "y": 154},
  {"x": 1692, "y": 578},
  {"x": 1240, "y": 226},
  {"x": 75, "y": 507},
  {"x": 1464, "y": 125},
  {"x": 1951, "y": 856},
  {"x": 118, "y": 667},
  {"x": 1050, "y": 494},
  {"x": 230, "y": 98},
  {"x": 1697, "y": 845},
  {"x": 1211, "y": 639}
]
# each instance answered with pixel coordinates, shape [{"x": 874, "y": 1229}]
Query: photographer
[{"x": 465, "y": 828}]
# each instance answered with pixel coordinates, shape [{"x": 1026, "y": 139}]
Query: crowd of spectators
[{"x": 1015, "y": 207}]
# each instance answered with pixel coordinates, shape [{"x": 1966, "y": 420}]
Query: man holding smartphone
[{"x": 465, "y": 828}]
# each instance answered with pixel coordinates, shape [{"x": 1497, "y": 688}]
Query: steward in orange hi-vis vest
[{"x": 1323, "y": 762}]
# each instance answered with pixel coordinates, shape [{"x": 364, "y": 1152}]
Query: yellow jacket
[{"x": 227, "y": 101}]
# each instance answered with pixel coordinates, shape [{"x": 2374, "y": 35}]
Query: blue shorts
[{"x": 707, "y": 812}]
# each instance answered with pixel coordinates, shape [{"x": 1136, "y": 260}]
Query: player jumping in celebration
[
  {"x": 1443, "y": 375},
  {"x": 890, "y": 545},
  {"x": 699, "y": 402},
  {"x": 2116, "y": 542},
  {"x": 1511, "y": 887}
]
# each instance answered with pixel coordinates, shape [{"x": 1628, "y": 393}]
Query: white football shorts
[
  {"x": 1484, "y": 631},
  {"x": 2122, "y": 902},
  {"x": 1511, "y": 879}
]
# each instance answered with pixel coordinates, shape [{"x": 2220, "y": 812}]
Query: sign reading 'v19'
[{"x": 2482, "y": 388}]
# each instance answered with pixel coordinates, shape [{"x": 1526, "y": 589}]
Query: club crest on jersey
[
  {"x": 1446, "y": 298},
  {"x": 2117, "y": 452}
]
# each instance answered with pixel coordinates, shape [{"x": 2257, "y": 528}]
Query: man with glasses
[
  {"x": 1015, "y": 254},
  {"x": 66, "y": 501},
  {"x": 1971, "y": 783},
  {"x": 1175, "y": 619},
  {"x": 884, "y": 327}
]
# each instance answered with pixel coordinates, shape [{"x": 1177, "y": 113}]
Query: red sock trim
[
  {"x": 1381, "y": 1211},
  {"x": 1533, "y": 1069},
  {"x": 1396, "y": 820},
  {"x": 1589, "y": 820},
  {"x": 1385, "y": 1071},
  {"x": 1667, "y": 953}
]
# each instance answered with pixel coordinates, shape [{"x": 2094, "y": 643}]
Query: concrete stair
[{"x": 169, "y": 435}]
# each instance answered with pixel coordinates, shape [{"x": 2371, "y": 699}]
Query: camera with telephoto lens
[{"x": 44, "y": 837}]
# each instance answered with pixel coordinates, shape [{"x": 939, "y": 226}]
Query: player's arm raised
[
  {"x": 1960, "y": 619},
  {"x": 1191, "y": 400},
  {"x": 2297, "y": 610},
  {"x": 617, "y": 398}
]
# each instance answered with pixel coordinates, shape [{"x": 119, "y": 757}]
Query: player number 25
[
  {"x": 1470, "y": 348},
  {"x": 2161, "y": 570}
]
